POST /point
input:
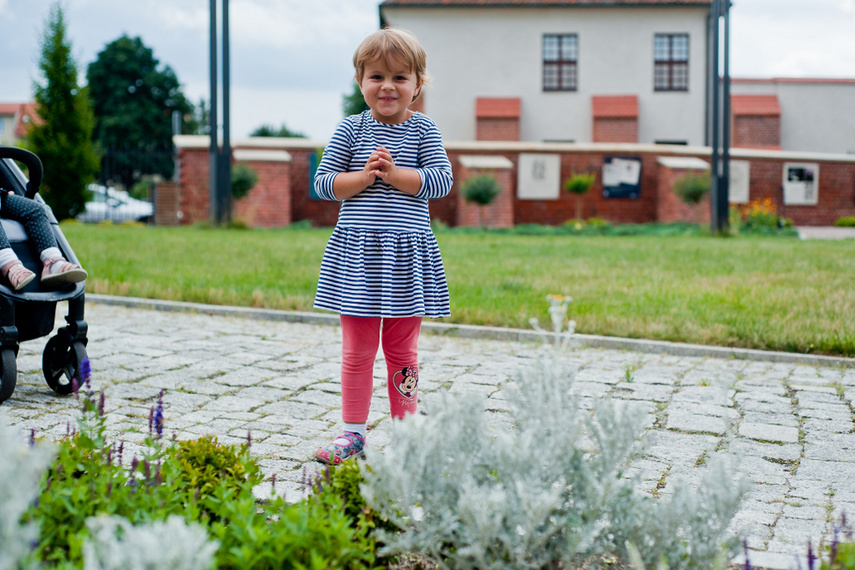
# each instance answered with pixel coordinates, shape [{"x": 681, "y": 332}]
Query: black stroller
[{"x": 30, "y": 313}]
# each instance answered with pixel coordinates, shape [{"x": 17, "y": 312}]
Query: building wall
[
  {"x": 497, "y": 52},
  {"x": 817, "y": 115}
]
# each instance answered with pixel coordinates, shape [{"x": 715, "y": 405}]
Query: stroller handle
[{"x": 33, "y": 163}]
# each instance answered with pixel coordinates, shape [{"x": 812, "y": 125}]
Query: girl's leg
[
  {"x": 32, "y": 215},
  {"x": 401, "y": 350},
  {"x": 11, "y": 268},
  {"x": 360, "y": 341},
  {"x": 56, "y": 270}
]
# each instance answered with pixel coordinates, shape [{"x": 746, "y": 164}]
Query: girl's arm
[
  {"x": 333, "y": 181},
  {"x": 435, "y": 168}
]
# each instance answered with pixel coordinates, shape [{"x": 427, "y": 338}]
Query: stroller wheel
[
  {"x": 61, "y": 362},
  {"x": 10, "y": 374}
]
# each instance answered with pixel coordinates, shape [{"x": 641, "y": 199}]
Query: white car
[{"x": 115, "y": 205}]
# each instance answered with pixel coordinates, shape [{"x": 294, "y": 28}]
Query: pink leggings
[{"x": 360, "y": 341}]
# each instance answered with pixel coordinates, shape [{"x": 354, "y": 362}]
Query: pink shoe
[
  {"x": 58, "y": 271},
  {"x": 17, "y": 275},
  {"x": 346, "y": 446}
]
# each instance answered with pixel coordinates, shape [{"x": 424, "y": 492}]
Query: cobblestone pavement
[{"x": 791, "y": 423}]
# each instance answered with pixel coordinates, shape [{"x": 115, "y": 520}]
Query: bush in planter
[
  {"x": 579, "y": 184},
  {"x": 845, "y": 222},
  {"x": 244, "y": 179},
  {"x": 480, "y": 190},
  {"x": 692, "y": 188}
]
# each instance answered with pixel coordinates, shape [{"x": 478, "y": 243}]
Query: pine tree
[{"x": 62, "y": 135}]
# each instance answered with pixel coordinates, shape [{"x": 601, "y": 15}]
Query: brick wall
[
  {"x": 268, "y": 204},
  {"x": 497, "y": 129},
  {"x": 167, "y": 207},
  {"x": 655, "y": 202},
  {"x": 756, "y": 131},
  {"x": 615, "y": 130},
  {"x": 500, "y": 212}
]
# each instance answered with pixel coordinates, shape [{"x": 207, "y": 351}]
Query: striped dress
[{"x": 382, "y": 259}]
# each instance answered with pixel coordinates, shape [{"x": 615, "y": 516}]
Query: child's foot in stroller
[
  {"x": 59, "y": 271},
  {"x": 17, "y": 275}
]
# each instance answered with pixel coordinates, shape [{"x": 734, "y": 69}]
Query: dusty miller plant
[
  {"x": 116, "y": 544},
  {"x": 21, "y": 466},
  {"x": 543, "y": 486}
]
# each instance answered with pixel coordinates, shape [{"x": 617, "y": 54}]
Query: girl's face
[{"x": 389, "y": 91}]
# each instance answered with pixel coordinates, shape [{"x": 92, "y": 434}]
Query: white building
[{"x": 601, "y": 71}]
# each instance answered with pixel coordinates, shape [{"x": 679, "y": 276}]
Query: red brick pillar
[
  {"x": 500, "y": 212},
  {"x": 669, "y": 206},
  {"x": 268, "y": 204}
]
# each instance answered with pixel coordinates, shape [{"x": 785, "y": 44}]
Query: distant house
[
  {"x": 584, "y": 71},
  {"x": 14, "y": 118}
]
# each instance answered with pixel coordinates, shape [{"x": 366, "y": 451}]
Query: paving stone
[{"x": 767, "y": 432}]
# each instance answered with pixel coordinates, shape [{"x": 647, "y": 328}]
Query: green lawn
[{"x": 775, "y": 293}]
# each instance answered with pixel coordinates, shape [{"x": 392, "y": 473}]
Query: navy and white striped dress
[{"x": 382, "y": 259}]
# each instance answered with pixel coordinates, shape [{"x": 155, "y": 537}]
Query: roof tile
[
  {"x": 613, "y": 106},
  {"x": 755, "y": 105}
]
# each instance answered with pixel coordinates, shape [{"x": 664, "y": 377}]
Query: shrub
[
  {"x": 115, "y": 544},
  {"x": 21, "y": 467},
  {"x": 579, "y": 184},
  {"x": 543, "y": 488},
  {"x": 845, "y": 222},
  {"x": 692, "y": 187},
  {"x": 89, "y": 500},
  {"x": 244, "y": 179},
  {"x": 481, "y": 190}
]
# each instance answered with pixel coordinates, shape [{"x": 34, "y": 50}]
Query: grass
[{"x": 760, "y": 292}]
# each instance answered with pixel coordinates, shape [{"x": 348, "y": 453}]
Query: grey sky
[{"x": 291, "y": 59}]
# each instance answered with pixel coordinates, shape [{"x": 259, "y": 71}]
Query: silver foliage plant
[
  {"x": 21, "y": 466},
  {"x": 543, "y": 486},
  {"x": 116, "y": 544}
]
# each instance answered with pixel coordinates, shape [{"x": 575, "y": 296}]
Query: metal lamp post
[
  {"x": 220, "y": 169},
  {"x": 720, "y": 114}
]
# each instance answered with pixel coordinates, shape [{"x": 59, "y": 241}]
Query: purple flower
[
  {"x": 121, "y": 451},
  {"x": 150, "y": 419},
  {"x": 748, "y": 565},
  {"x": 85, "y": 371},
  {"x": 273, "y": 482},
  {"x": 158, "y": 416},
  {"x": 32, "y": 437},
  {"x": 101, "y": 401},
  {"x": 248, "y": 438},
  {"x": 75, "y": 387},
  {"x": 810, "y": 556}
]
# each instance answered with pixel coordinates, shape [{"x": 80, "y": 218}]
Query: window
[
  {"x": 671, "y": 62},
  {"x": 560, "y": 53}
]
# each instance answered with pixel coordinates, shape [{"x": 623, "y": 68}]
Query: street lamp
[
  {"x": 220, "y": 165},
  {"x": 719, "y": 32}
]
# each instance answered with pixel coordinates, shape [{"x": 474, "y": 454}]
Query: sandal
[
  {"x": 17, "y": 275},
  {"x": 58, "y": 271},
  {"x": 346, "y": 446}
]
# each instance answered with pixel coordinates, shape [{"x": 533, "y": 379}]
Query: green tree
[
  {"x": 271, "y": 131},
  {"x": 62, "y": 134},
  {"x": 355, "y": 102},
  {"x": 133, "y": 101}
]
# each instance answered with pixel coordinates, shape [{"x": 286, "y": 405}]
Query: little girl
[
  {"x": 382, "y": 269},
  {"x": 55, "y": 269}
]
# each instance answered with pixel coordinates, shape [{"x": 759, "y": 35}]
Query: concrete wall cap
[
  {"x": 683, "y": 162},
  {"x": 486, "y": 162},
  {"x": 255, "y": 155}
]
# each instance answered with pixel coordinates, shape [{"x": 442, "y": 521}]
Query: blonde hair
[{"x": 392, "y": 45}]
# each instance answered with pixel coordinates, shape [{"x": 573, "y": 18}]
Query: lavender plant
[
  {"x": 21, "y": 467},
  {"x": 116, "y": 544},
  {"x": 543, "y": 487}
]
